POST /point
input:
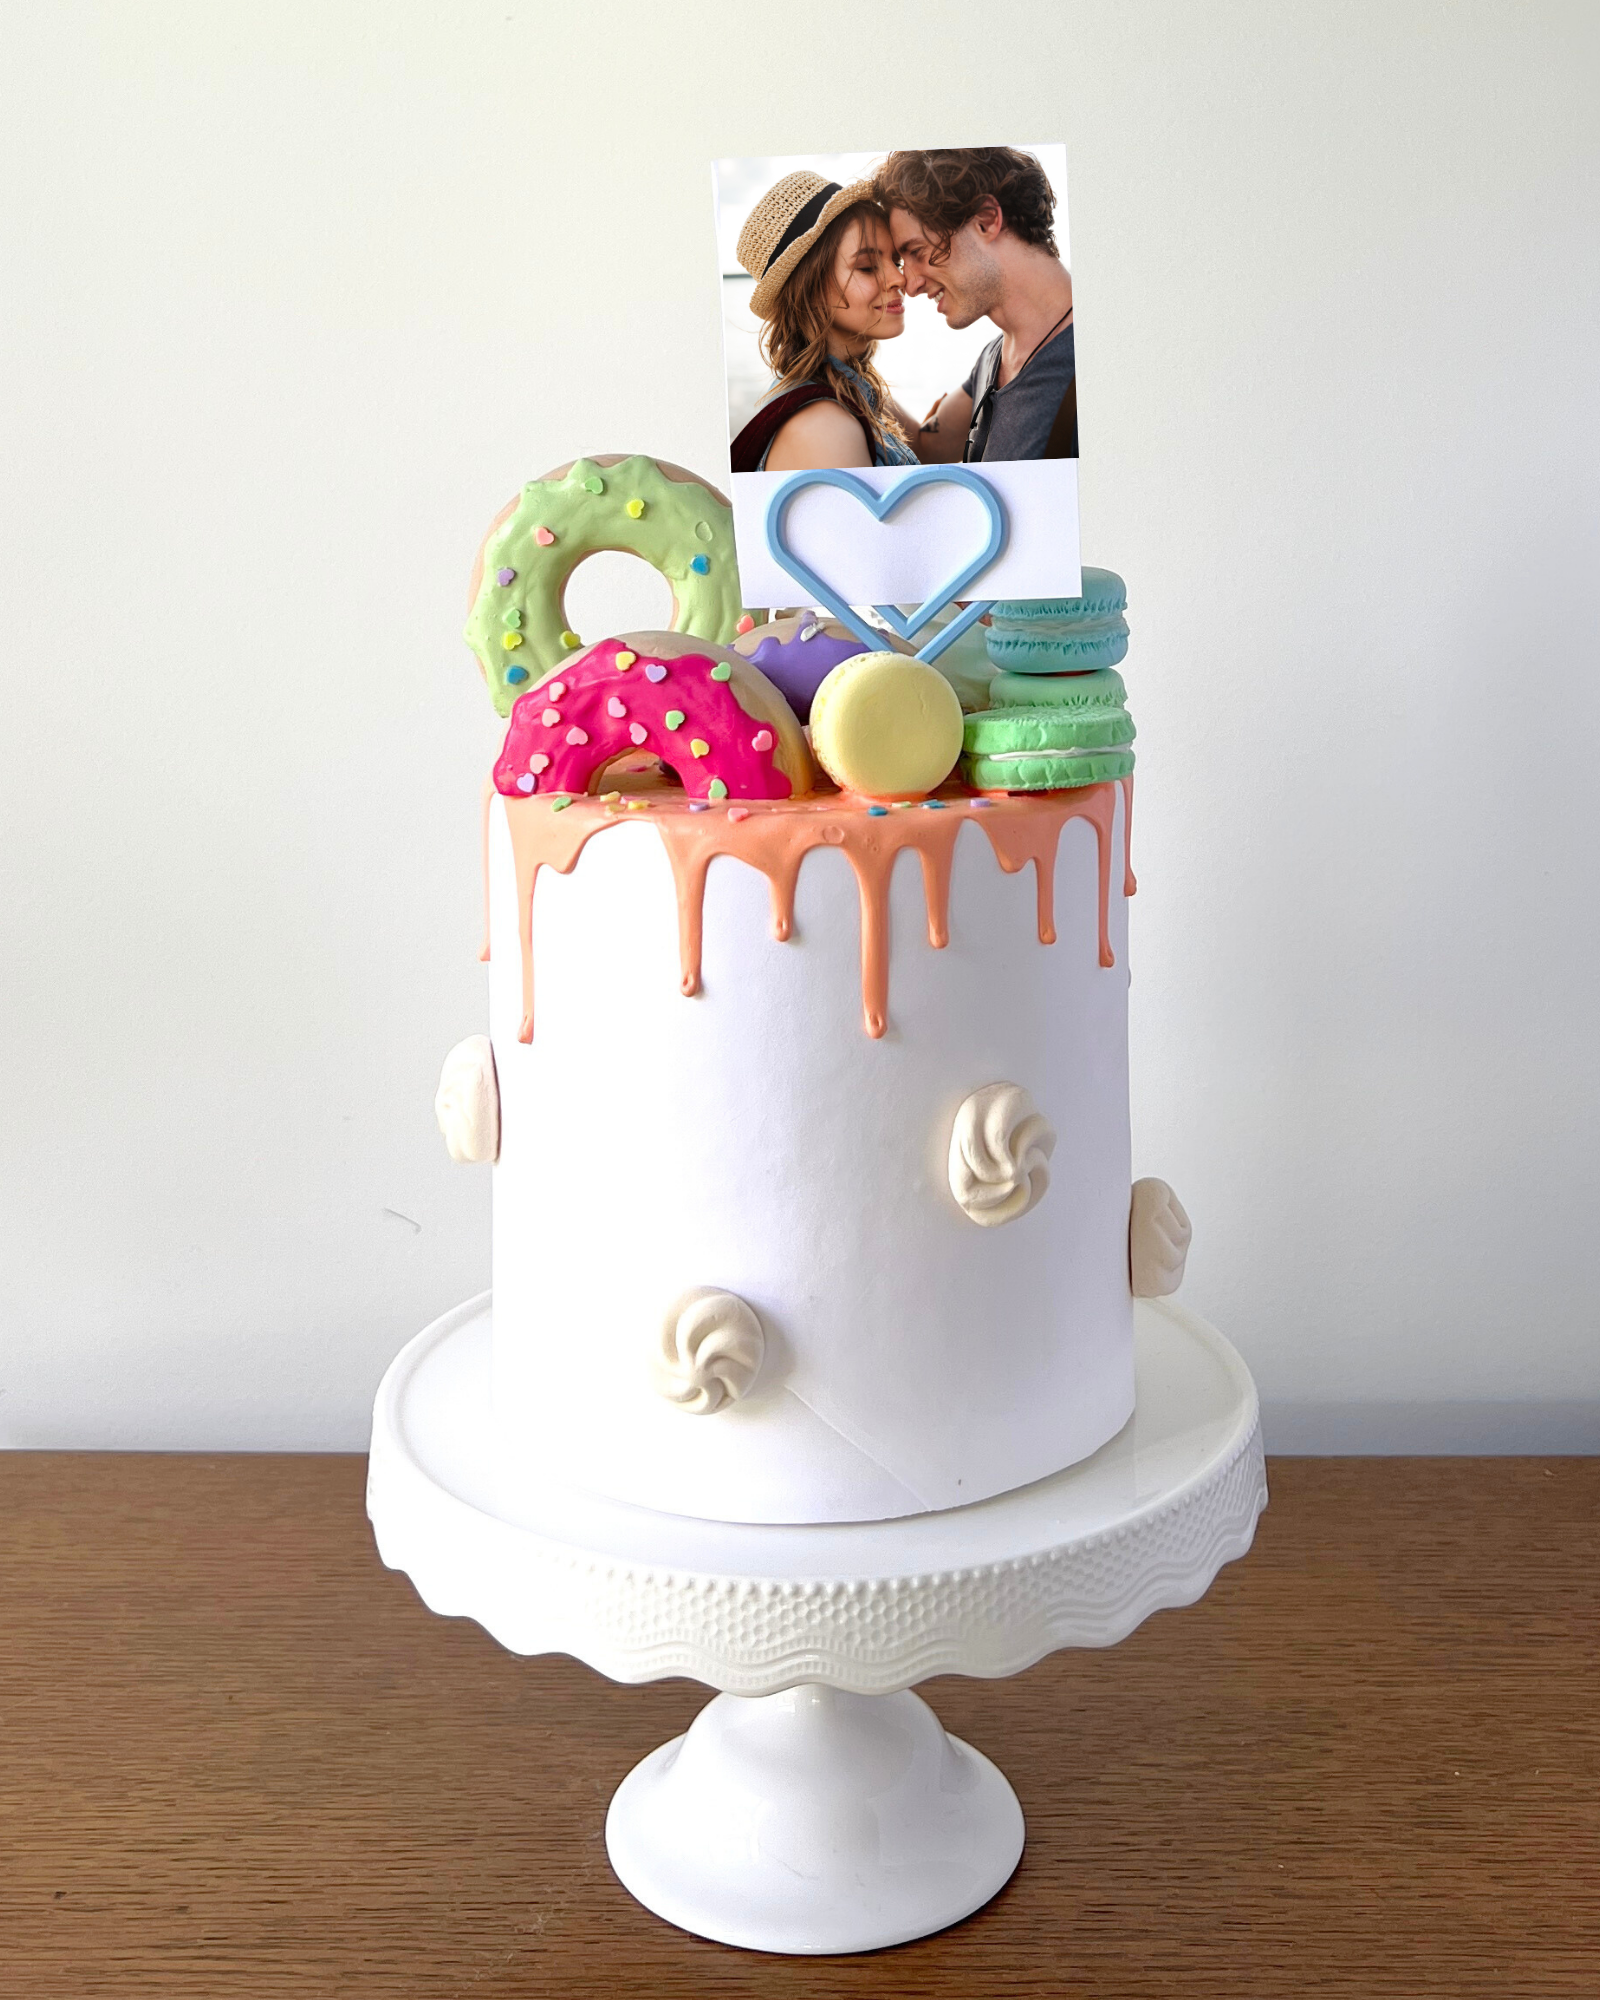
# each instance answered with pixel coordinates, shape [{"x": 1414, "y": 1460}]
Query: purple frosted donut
[{"x": 798, "y": 652}]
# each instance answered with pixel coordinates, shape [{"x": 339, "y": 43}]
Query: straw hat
[{"x": 784, "y": 224}]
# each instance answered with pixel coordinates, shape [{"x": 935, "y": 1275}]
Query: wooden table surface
[{"x": 239, "y": 1758}]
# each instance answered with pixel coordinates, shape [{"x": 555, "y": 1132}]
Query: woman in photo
[{"x": 828, "y": 290}]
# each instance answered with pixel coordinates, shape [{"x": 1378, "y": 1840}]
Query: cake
[{"x": 805, "y": 1084}]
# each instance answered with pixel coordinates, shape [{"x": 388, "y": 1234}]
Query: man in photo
[{"x": 973, "y": 228}]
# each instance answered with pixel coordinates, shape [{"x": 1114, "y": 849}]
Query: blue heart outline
[{"x": 880, "y": 506}]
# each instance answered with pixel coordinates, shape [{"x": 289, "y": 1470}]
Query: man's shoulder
[{"x": 986, "y": 366}]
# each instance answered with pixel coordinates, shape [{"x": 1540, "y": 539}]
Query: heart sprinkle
[
  {"x": 634, "y": 509},
  {"x": 571, "y": 641},
  {"x": 616, "y": 708},
  {"x": 716, "y": 789},
  {"x": 638, "y": 732},
  {"x": 699, "y": 747},
  {"x": 623, "y": 661},
  {"x": 516, "y": 675},
  {"x": 543, "y": 537},
  {"x": 559, "y": 805},
  {"x": 877, "y": 812},
  {"x": 550, "y": 717},
  {"x": 655, "y": 672},
  {"x": 698, "y": 806},
  {"x": 556, "y": 689},
  {"x": 505, "y": 576},
  {"x": 745, "y": 624},
  {"x": 538, "y": 761},
  {"x": 810, "y": 632},
  {"x": 510, "y": 640},
  {"x": 702, "y": 531},
  {"x": 737, "y": 813},
  {"x": 577, "y": 735},
  {"x": 762, "y": 740},
  {"x": 701, "y": 565},
  {"x": 525, "y": 784},
  {"x": 722, "y": 671},
  {"x": 594, "y": 483},
  {"x": 673, "y": 718}
]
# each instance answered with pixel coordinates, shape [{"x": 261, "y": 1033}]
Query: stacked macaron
[{"x": 1058, "y": 712}]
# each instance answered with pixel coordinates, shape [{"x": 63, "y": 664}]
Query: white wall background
[{"x": 295, "y": 295}]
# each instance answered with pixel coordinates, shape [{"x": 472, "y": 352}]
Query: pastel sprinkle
[
  {"x": 511, "y": 640},
  {"x": 716, "y": 789},
  {"x": 698, "y": 806},
  {"x": 559, "y": 805},
  {"x": 623, "y": 661},
  {"x": 511, "y": 618},
  {"x": 577, "y": 735},
  {"x": 637, "y": 805},
  {"x": 811, "y": 631},
  {"x": 526, "y": 784},
  {"x": 702, "y": 531},
  {"x": 745, "y": 624},
  {"x": 616, "y": 708},
  {"x": 504, "y": 576},
  {"x": 594, "y": 483},
  {"x": 610, "y": 798},
  {"x": 762, "y": 740},
  {"x": 737, "y": 813},
  {"x": 701, "y": 565},
  {"x": 516, "y": 675},
  {"x": 571, "y": 641},
  {"x": 638, "y": 732},
  {"x": 982, "y": 805},
  {"x": 673, "y": 718},
  {"x": 543, "y": 537},
  {"x": 722, "y": 671},
  {"x": 556, "y": 690},
  {"x": 934, "y": 805},
  {"x": 634, "y": 509},
  {"x": 699, "y": 747},
  {"x": 877, "y": 812},
  {"x": 538, "y": 761},
  {"x": 550, "y": 717},
  {"x": 655, "y": 672}
]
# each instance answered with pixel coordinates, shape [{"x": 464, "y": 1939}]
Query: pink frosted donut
[{"x": 716, "y": 719}]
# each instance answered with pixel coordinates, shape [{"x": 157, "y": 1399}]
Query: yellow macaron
[{"x": 886, "y": 726}]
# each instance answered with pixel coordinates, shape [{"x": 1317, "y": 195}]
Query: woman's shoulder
[{"x": 823, "y": 433}]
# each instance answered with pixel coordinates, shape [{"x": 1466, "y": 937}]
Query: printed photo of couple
[{"x": 886, "y": 310}]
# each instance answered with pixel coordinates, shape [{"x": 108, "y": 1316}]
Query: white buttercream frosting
[
  {"x": 1158, "y": 1240},
  {"x": 467, "y": 1103},
  {"x": 1000, "y": 1149},
  {"x": 710, "y": 1352}
]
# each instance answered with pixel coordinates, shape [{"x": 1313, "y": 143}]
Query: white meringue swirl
[
  {"x": 1000, "y": 1148},
  {"x": 467, "y": 1103},
  {"x": 1159, "y": 1233},
  {"x": 711, "y": 1349}
]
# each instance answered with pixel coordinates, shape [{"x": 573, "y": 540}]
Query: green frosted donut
[{"x": 639, "y": 506}]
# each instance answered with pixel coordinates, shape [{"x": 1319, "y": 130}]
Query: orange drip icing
[
  {"x": 775, "y": 837},
  {"x": 1129, "y": 886}
]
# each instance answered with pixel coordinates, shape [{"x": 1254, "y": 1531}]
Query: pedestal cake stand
[{"x": 816, "y": 1805}]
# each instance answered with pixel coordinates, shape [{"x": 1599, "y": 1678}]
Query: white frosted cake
[{"x": 807, "y": 1100}]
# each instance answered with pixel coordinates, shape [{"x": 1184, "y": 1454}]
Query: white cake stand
[{"x": 817, "y": 1805}]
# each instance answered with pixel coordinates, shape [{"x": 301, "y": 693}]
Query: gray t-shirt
[{"x": 1017, "y": 421}]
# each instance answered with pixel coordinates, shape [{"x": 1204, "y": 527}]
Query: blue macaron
[{"x": 1063, "y": 635}]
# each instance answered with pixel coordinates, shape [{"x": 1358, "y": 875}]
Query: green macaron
[
  {"x": 1079, "y": 733},
  {"x": 1062, "y": 635}
]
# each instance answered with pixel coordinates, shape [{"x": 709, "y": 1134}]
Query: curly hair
[
  {"x": 945, "y": 190},
  {"x": 794, "y": 342}
]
